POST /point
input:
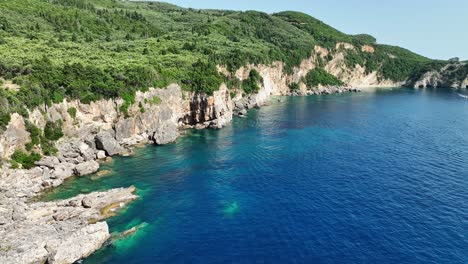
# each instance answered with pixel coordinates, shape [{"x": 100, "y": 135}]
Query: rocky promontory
[{"x": 57, "y": 232}]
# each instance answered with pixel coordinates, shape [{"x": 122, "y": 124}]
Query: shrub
[
  {"x": 48, "y": 148},
  {"x": 129, "y": 99},
  {"x": 53, "y": 130},
  {"x": 204, "y": 78},
  {"x": 155, "y": 100},
  {"x": 25, "y": 159},
  {"x": 250, "y": 85},
  {"x": 34, "y": 133},
  {"x": 294, "y": 86},
  {"x": 319, "y": 76},
  {"x": 4, "y": 120},
  {"x": 72, "y": 112}
]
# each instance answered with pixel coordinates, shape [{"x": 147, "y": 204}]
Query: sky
[{"x": 437, "y": 29}]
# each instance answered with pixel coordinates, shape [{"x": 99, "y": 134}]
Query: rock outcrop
[
  {"x": 454, "y": 75},
  {"x": 355, "y": 76},
  {"x": 210, "y": 111},
  {"x": 57, "y": 232},
  {"x": 15, "y": 136},
  {"x": 105, "y": 140}
]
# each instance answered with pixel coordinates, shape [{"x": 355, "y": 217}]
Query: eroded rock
[
  {"x": 86, "y": 168},
  {"x": 60, "y": 231},
  {"x": 106, "y": 141}
]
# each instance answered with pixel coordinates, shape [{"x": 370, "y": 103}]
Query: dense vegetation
[
  {"x": 88, "y": 50},
  {"x": 319, "y": 76},
  {"x": 26, "y": 160},
  {"x": 390, "y": 62},
  {"x": 44, "y": 139},
  {"x": 251, "y": 84}
]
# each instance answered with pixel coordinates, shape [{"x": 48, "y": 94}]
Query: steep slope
[
  {"x": 453, "y": 75},
  {"x": 90, "y": 50}
]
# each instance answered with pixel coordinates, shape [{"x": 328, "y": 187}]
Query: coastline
[
  {"x": 100, "y": 131},
  {"x": 67, "y": 230}
]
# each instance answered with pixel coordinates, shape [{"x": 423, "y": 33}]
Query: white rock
[
  {"x": 86, "y": 168},
  {"x": 80, "y": 244}
]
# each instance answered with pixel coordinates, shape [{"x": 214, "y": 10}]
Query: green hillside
[{"x": 88, "y": 50}]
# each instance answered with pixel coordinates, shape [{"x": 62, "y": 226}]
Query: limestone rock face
[
  {"x": 355, "y": 76},
  {"x": 14, "y": 137},
  {"x": 368, "y": 49},
  {"x": 106, "y": 141},
  {"x": 453, "y": 75},
  {"x": 211, "y": 111}
]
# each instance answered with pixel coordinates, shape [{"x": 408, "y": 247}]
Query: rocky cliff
[
  {"x": 453, "y": 75},
  {"x": 156, "y": 114},
  {"x": 98, "y": 130}
]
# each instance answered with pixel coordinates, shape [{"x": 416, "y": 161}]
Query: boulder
[
  {"x": 49, "y": 162},
  {"x": 86, "y": 168},
  {"x": 242, "y": 112},
  {"x": 165, "y": 133},
  {"x": 106, "y": 141},
  {"x": 87, "y": 202},
  {"x": 63, "y": 171},
  {"x": 90, "y": 141},
  {"x": 62, "y": 231},
  {"x": 101, "y": 154},
  {"x": 86, "y": 151}
]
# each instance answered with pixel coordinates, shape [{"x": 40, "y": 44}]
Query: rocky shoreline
[
  {"x": 59, "y": 232},
  {"x": 69, "y": 230}
]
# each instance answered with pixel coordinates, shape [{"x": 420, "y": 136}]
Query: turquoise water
[{"x": 374, "y": 177}]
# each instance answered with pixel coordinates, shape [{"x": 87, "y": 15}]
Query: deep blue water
[{"x": 375, "y": 177}]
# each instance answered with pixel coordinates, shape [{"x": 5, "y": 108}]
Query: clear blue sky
[{"x": 433, "y": 28}]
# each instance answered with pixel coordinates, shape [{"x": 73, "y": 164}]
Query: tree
[{"x": 204, "y": 78}]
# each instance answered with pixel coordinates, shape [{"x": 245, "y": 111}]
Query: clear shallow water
[{"x": 377, "y": 177}]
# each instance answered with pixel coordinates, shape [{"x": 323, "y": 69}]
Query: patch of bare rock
[{"x": 60, "y": 231}]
